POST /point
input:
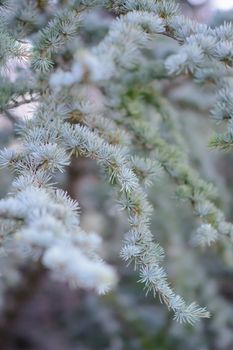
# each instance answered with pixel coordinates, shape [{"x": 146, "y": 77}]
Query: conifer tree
[{"x": 55, "y": 68}]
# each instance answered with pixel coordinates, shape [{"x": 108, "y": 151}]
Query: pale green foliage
[{"x": 118, "y": 136}]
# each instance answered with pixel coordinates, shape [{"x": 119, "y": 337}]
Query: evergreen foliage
[{"x": 121, "y": 136}]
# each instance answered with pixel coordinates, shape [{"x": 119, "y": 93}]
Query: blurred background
[{"x": 40, "y": 314}]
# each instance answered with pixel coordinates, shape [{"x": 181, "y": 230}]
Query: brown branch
[{"x": 24, "y": 101}]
